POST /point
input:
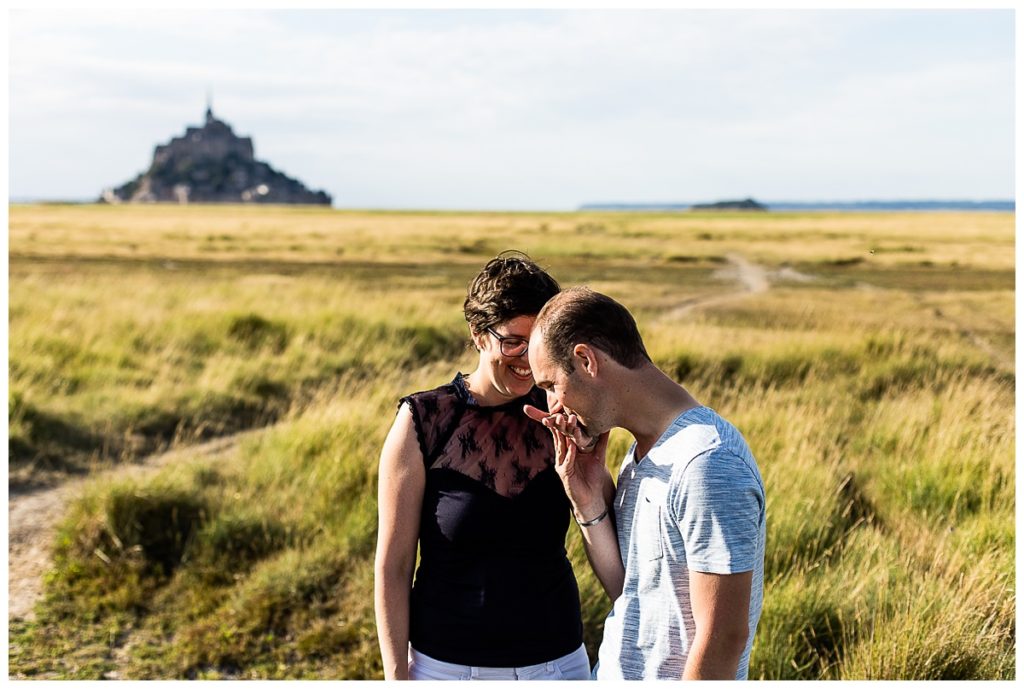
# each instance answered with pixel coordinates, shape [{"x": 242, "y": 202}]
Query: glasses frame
[{"x": 502, "y": 339}]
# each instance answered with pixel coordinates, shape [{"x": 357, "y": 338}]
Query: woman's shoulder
[
  {"x": 436, "y": 407},
  {"x": 456, "y": 393},
  {"x": 449, "y": 392}
]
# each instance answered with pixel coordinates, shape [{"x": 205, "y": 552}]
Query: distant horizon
[{"x": 937, "y": 204}]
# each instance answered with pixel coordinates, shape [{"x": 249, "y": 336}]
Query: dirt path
[
  {"x": 971, "y": 335},
  {"x": 32, "y": 519},
  {"x": 753, "y": 279}
]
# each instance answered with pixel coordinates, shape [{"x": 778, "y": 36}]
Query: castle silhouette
[{"x": 211, "y": 164}]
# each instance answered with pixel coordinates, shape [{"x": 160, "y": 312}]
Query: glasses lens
[
  {"x": 510, "y": 346},
  {"x": 514, "y": 347}
]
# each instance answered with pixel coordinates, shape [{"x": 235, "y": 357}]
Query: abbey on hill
[{"x": 211, "y": 164}]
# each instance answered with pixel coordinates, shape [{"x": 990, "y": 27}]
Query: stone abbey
[{"x": 211, "y": 164}]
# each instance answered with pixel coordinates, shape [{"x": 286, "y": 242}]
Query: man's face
[{"x": 569, "y": 393}]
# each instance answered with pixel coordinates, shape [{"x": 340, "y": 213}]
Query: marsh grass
[
  {"x": 878, "y": 398},
  {"x": 142, "y": 361}
]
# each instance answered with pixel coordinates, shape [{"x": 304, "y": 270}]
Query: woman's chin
[{"x": 518, "y": 386}]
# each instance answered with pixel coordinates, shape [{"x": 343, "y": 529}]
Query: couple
[{"x": 483, "y": 474}]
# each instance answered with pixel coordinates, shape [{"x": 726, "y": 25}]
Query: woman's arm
[
  {"x": 399, "y": 497},
  {"x": 590, "y": 490},
  {"x": 592, "y": 493}
]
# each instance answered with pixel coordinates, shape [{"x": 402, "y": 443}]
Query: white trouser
[{"x": 575, "y": 665}]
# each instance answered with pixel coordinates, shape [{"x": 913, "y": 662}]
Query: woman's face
[{"x": 510, "y": 376}]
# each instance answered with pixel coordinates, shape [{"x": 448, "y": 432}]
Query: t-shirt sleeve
[{"x": 718, "y": 505}]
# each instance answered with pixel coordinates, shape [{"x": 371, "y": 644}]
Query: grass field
[{"x": 874, "y": 381}]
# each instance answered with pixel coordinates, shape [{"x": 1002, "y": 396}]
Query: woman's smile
[{"x": 522, "y": 373}]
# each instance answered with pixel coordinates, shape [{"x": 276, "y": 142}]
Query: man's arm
[
  {"x": 720, "y": 605},
  {"x": 719, "y": 507}
]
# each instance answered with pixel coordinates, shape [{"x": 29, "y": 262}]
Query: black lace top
[{"x": 494, "y": 587}]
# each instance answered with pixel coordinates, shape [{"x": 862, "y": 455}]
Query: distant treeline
[{"x": 824, "y": 206}]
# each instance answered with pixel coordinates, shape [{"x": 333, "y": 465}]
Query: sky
[{"x": 519, "y": 110}]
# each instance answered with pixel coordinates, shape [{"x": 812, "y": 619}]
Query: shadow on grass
[
  {"x": 48, "y": 446},
  {"x": 51, "y": 449},
  {"x": 807, "y": 543}
]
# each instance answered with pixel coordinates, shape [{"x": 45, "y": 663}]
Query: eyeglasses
[{"x": 511, "y": 346}]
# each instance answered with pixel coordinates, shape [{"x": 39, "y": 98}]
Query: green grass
[{"x": 878, "y": 398}]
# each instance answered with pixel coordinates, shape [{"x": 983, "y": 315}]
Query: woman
[{"x": 466, "y": 475}]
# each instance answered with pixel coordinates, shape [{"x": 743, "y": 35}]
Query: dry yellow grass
[
  {"x": 876, "y": 390},
  {"x": 287, "y": 234}
]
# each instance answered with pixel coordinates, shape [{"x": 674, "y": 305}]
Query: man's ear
[{"x": 586, "y": 359}]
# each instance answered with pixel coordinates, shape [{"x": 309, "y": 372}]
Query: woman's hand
[
  {"x": 567, "y": 424},
  {"x": 579, "y": 462},
  {"x": 591, "y": 491},
  {"x": 583, "y": 475}
]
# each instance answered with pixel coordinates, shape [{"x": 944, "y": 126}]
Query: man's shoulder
[
  {"x": 702, "y": 441},
  {"x": 694, "y": 432}
]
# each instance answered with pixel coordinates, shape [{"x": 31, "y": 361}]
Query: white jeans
[{"x": 575, "y": 665}]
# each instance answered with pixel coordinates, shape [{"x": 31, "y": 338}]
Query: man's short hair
[{"x": 580, "y": 315}]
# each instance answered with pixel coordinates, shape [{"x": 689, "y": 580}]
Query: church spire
[{"x": 209, "y": 107}]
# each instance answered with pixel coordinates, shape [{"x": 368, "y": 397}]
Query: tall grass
[
  {"x": 883, "y": 432},
  {"x": 140, "y": 360}
]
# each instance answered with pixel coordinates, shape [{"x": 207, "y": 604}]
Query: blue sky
[{"x": 538, "y": 109}]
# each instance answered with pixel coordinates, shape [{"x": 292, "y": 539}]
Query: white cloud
[{"x": 561, "y": 107}]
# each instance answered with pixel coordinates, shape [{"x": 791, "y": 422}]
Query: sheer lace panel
[{"x": 497, "y": 446}]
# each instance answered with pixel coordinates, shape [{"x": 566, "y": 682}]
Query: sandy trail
[
  {"x": 753, "y": 279},
  {"x": 1001, "y": 358},
  {"x": 32, "y": 518}
]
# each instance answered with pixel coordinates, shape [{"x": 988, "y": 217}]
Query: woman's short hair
[
  {"x": 509, "y": 286},
  {"x": 580, "y": 315}
]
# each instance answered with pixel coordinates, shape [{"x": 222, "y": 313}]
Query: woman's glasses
[{"x": 510, "y": 346}]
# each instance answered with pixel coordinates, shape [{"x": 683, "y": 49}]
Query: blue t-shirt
[{"x": 695, "y": 502}]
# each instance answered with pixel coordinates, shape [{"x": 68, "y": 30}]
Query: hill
[{"x": 211, "y": 164}]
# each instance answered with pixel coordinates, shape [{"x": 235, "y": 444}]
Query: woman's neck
[{"x": 483, "y": 390}]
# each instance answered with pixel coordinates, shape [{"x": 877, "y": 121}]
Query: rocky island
[
  {"x": 211, "y": 164},
  {"x": 744, "y": 205}
]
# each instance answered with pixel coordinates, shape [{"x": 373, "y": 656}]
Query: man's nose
[{"x": 553, "y": 404}]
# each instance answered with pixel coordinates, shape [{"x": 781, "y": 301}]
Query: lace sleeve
[
  {"x": 417, "y": 423},
  {"x": 435, "y": 416}
]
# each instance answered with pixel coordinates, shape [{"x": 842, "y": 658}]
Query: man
[{"x": 689, "y": 508}]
